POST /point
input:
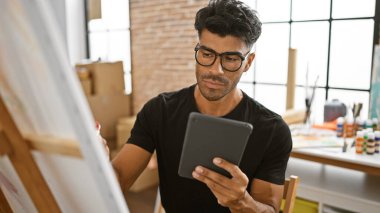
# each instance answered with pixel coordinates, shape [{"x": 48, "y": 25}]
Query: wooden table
[{"x": 335, "y": 156}]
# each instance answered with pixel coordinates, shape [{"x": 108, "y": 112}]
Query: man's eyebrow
[
  {"x": 227, "y": 52},
  {"x": 207, "y": 48}
]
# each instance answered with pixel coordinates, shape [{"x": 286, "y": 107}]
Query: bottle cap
[
  {"x": 340, "y": 120},
  {"x": 371, "y": 135},
  {"x": 350, "y": 120},
  {"x": 377, "y": 134},
  {"x": 359, "y": 134}
]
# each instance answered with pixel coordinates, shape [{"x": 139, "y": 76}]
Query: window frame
[{"x": 327, "y": 87}]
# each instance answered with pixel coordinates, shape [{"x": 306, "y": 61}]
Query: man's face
[{"x": 214, "y": 82}]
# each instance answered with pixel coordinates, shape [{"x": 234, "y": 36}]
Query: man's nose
[{"x": 217, "y": 66}]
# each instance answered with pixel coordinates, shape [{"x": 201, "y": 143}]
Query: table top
[{"x": 330, "y": 152}]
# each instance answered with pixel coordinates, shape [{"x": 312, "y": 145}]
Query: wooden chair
[{"x": 289, "y": 196}]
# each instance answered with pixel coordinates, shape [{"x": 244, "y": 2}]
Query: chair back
[{"x": 289, "y": 195}]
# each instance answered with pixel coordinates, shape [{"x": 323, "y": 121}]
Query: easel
[{"x": 18, "y": 149}]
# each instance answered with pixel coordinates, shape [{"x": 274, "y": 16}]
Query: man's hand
[
  {"x": 230, "y": 192},
  {"x": 98, "y": 126},
  {"x": 105, "y": 145}
]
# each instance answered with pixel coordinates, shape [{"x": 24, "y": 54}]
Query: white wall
[
  {"x": 75, "y": 23},
  {"x": 71, "y": 21}
]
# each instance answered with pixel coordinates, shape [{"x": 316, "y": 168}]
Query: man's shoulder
[
  {"x": 264, "y": 118},
  {"x": 261, "y": 112},
  {"x": 178, "y": 94},
  {"x": 170, "y": 99}
]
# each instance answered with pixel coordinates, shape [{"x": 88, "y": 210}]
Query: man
[{"x": 227, "y": 30}]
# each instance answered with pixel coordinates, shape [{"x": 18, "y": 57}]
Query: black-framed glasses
[{"x": 230, "y": 61}]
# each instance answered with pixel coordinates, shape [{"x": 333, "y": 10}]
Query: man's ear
[{"x": 250, "y": 59}]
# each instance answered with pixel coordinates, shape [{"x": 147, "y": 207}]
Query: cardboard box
[
  {"x": 107, "y": 110},
  {"x": 123, "y": 130},
  {"x": 86, "y": 86},
  {"x": 85, "y": 79},
  {"x": 83, "y": 72},
  {"x": 108, "y": 77}
]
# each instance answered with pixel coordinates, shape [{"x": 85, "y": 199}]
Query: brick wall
[{"x": 162, "y": 41}]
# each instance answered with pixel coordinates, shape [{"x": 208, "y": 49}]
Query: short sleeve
[
  {"x": 273, "y": 165},
  {"x": 144, "y": 131}
]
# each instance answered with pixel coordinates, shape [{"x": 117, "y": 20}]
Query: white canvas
[{"x": 44, "y": 97}]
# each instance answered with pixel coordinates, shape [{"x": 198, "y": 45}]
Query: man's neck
[{"x": 220, "y": 107}]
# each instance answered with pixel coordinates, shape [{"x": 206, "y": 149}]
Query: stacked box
[
  {"x": 107, "y": 110},
  {"x": 103, "y": 84},
  {"x": 123, "y": 130},
  {"x": 84, "y": 76},
  {"x": 107, "y": 77}
]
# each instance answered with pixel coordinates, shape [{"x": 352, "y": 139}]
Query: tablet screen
[{"x": 208, "y": 137}]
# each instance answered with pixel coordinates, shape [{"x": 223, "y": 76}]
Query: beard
[{"x": 213, "y": 94}]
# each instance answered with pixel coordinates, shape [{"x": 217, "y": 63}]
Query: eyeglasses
[{"x": 230, "y": 61}]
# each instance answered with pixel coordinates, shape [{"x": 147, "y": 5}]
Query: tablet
[{"x": 208, "y": 137}]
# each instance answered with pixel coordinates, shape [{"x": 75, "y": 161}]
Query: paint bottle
[
  {"x": 377, "y": 140},
  {"x": 369, "y": 124},
  {"x": 359, "y": 142},
  {"x": 365, "y": 136},
  {"x": 340, "y": 127},
  {"x": 349, "y": 128},
  {"x": 371, "y": 143},
  {"x": 359, "y": 123}
]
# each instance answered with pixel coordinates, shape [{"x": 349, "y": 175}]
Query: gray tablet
[{"x": 208, "y": 137}]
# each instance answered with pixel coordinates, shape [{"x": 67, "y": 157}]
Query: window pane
[
  {"x": 351, "y": 53},
  {"x": 96, "y": 25},
  {"x": 353, "y": 8},
  {"x": 247, "y": 88},
  {"x": 274, "y": 10},
  {"x": 272, "y": 97},
  {"x": 99, "y": 46},
  {"x": 272, "y": 54},
  {"x": 115, "y": 14},
  {"x": 317, "y": 107},
  {"x": 119, "y": 48},
  {"x": 111, "y": 46},
  {"x": 351, "y": 97},
  {"x": 310, "y": 9},
  {"x": 128, "y": 82},
  {"x": 311, "y": 41}
]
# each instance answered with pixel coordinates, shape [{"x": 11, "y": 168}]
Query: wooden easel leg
[
  {"x": 25, "y": 166},
  {"x": 4, "y": 205}
]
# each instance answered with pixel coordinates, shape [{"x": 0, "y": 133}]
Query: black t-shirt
[{"x": 161, "y": 126}]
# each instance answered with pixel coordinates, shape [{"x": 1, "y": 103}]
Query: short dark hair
[{"x": 229, "y": 17}]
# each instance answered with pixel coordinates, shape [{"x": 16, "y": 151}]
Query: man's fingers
[
  {"x": 105, "y": 144},
  {"x": 213, "y": 185},
  {"x": 222, "y": 194},
  {"x": 215, "y": 181},
  {"x": 233, "y": 169},
  {"x": 211, "y": 175}
]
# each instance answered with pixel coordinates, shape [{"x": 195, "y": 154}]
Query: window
[
  {"x": 109, "y": 37},
  {"x": 334, "y": 41}
]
